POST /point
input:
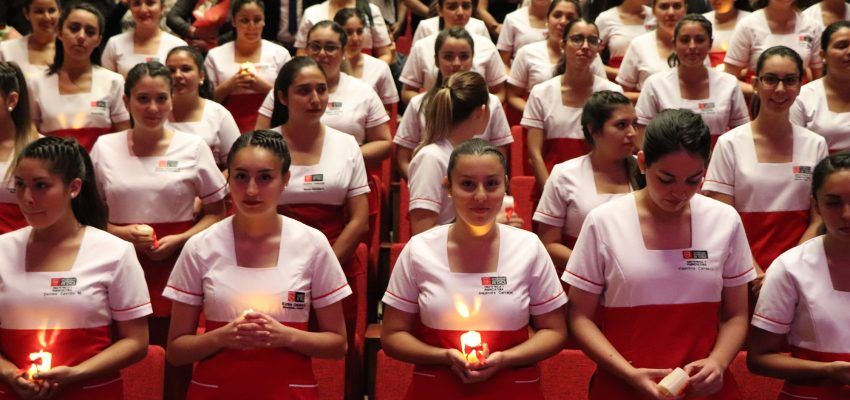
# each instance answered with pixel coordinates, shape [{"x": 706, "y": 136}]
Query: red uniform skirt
[
  {"x": 818, "y": 389},
  {"x": 11, "y": 218},
  {"x": 245, "y": 109},
  {"x": 772, "y": 233},
  {"x": 556, "y": 151},
  {"x": 85, "y": 136}
]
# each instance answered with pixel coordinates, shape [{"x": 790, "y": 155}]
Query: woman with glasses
[
  {"x": 690, "y": 84},
  {"x": 823, "y": 105},
  {"x": 619, "y": 25},
  {"x": 376, "y": 38},
  {"x": 553, "y": 113},
  {"x": 242, "y": 71},
  {"x": 764, "y": 168}
]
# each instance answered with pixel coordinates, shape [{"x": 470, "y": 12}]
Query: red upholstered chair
[
  {"x": 519, "y": 155},
  {"x": 392, "y": 378},
  {"x": 565, "y": 376},
  {"x": 143, "y": 380},
  {"x": 395, "y": 251},
  {"x": 752, "y": 386},
  {"x": 376, "y": 206},
  {"x": 403, "y": 234},
  {"x": 522, "y": 189},
  {"x": 328, "y": 373}
]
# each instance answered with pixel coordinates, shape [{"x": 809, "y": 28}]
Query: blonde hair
[{"x": 453, "y": 103}]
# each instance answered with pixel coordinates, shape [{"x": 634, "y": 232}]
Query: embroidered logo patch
[
  {"x": 314, "y": 182},
  {"x": 295, "y": 300},
  {"x": 802, "y": 173},
  {"x": 494, "y": 281},
  {"x": 54, "y": 282}
]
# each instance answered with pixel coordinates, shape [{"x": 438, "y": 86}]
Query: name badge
[
  {"x": 315, "y": 182},
  {"x": 334, "y": 108},
  {"x": 695, "y": 260},
  {"x": 492, "y": 285},
  {"x": 295, "y": 301},
  {"x": 167, "y": 166},
  {"x": 802, "y": 173},
  {"x": 805, "y": 41},
  {"x": 706, "y": 108},
  {"x": 152, "y": 58},
  {"x": 62, "y": 286},
  {"x": 98, "y": 108}
]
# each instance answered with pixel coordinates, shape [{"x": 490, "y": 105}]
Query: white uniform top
[
  {"x": 221, "y": 63},
  {"x": 412, "y": 126},
  {"x": 377, "y": 74},
  {"x": 532, "y": 65},
  {"x": 427, "y": 170},
  {"x": 642, "y": 60},
  {"x": 616, "y": 35},
  {"x": 815, "y": 12},
  {"x": 517, "y": 31},
  {"x": 16, "y": 50},
  {"x": 722, "y": 38},
  {"x": 105, "y": 283},
  {"x": 352, "y": 108},
  {"x": 156, "y": 189},
  {"x": 569, "y": 195},
  {"x": 373, "y": 36},
  {"x": 6, "y": 188},
  {"x": 420, "y": 70},
  {"x": 101, "y": 107},
  {"x": 216, "y": 127},
  {"x": 753, "y": 36},
  {"x": 120, "y": 56},
  {"x": 307, "y": 275},
  {"x": 545, "y": 109},
  {"x": 340, "y": 174},
  {"x": 523, "y": 284},
  {"x": 811, "y": 110},
  {"x": 724, "y": 108},
  {"x": 431, "y": 26},
  {"x": 734, "y": 170},
  {"x": 610, "y": 258},
  {"x": 798, "y": 299}
]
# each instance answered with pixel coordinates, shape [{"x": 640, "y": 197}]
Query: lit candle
[
  {"x": 246, "y": 312},
  {"x": 674, "y": 384},
  {"x": 148, "y": 231},
  {"x": 247, "y": 68},
  {"x": 472, "y": 341},
  {"x": 41, "y": 362}
]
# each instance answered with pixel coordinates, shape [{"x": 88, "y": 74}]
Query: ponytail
[
  {"x": 12, "y": 81},
  {"x": 453, "y": 103}
]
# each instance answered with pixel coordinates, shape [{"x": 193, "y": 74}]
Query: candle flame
[{"x": 41, "y": 362}]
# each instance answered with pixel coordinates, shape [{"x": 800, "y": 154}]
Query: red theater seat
[{"x": 143, "y": 380}]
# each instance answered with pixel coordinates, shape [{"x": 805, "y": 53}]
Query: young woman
[
  {"x": 648, "y": 53},
  {"x": 662, "y": 253},
  {"x": 525, "y": 25},
  {"x": 370, "y": 70},
  {"x": 69, "y": 288},
  {"x": 455, "y": 50},
  {"x": 447, "y": 270},
  {"x": 78, "y": 98},
  {"x": 775, "y": 22},
  {"x": 553, "y": 113},
  {"x": 146, "y": 42},
  {"x": 257, "y": 276},
  {"x": 803, "y": 288},
  {"x": 764, "y": 168},
  {"x": 828, "y": 12},
  {"x": 376, "y": 39},
  {"x": 16, "y": 131},
  {"x": 579, "y": 185},
  {"x": 451, "y": 13},
  {"x": 35, "y": 51},
  {"x": 726, "y": 14},
  {"x": 242, "y": 71},
  {"x": 619, "y": 25},
  {"x": 193, "y": 110},
  {"x": 690, "y": 84},
  {"x": 823, "y": 105}
]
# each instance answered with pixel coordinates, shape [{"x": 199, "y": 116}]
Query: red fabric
[
  {"x": 615, "y": 62},
  {"x": 143, "y": 380},
  {"x": 716, "y": 57},
  {"x": 772, "y": 233},
  {"x": 325, "y": 217},
  {"x": 85, "y": 136},
  {"x": 11, "y": 218},
  {"x": 244, "y": 108},
  {"x": 556, "y": 151},
  {"x": 816, "y": 389},
  {"x": 524, "y": 189}
]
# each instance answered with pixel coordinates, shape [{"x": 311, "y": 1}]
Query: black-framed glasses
[
  {"x": 578, "y": 40},
  {"x": 329, "y": 48},
  {"x": 773, "y": 80}
]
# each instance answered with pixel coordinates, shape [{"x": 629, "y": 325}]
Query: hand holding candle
[
  {"x": 674, "y": 384},
  {"x": 148, "y": 232},
  {"x": 472, "y": 348},
  {"x": 41, "y": 362}
]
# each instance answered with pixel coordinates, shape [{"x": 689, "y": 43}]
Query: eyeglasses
[
  {"x": 771, "y": 80},
  {"x": 578, "y": 40},
  {"x": 329, "y": 48}
]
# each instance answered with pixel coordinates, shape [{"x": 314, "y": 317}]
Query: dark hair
[
  {"x": 361, "y": 10},
  {"x": 674, "y": 130},
  {"x": 778, "y": 51},
  {"x": 454, "y": 33},
  {"x": 652, "y": 4},
  {"x": 285, "y": 77},
  {"x": 555, "y": 3},
  {"x": 264, "y": 138},
  {"x": 597, "y": 110},
  {"x": 236, "y": 6},
  {"x": 29, "y": 3},
  {"x": 454, "y": 102},
  {"x": 337, "y": 28},
  {"x": 834, "y": 163},
  {"x": 436, "y": 6},
  {"x": 673, "y": 59},
  {"x": 152, "y": 69},
  {"x": 12, "y": 81},
  {"x": 561, "y": 67},
  {"x": 759, "y": 4},
  {"x": 475, "y": 147},
  {"x": 59, "y": 55},
  {"x": 70, "y": 161},
  {"x": 205, "y": 89},
  {"x": 826, "y": 36}
]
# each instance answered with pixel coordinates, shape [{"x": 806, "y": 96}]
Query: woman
[
  {"x": 526, "y": 25},
  {"x": 677, "y": 257},
  {"x": 828, "y": 12},
  {"x": 619, "y": 25},
  {"x": 257, "y": 276},
  {"x": 193, "y": 111},
  {"x": 648, "y": 53},
  {"x": 328, "y": 188},
  {"x": 801, "y": 292},
  {"x": 455, "y": 49},
  {"x": 690, "y": 84},
  {"x": 353, "y": 106},
  {"x": 370, "y": 70},
  {"x": 579, "y": 185},
  {"x": 448, "y": 270},
  {"x": 147, "y": 41},
  {"x": 823, "y": 105},
  {"x": 376, "y": 39},
  {"x": 78, "y": 98},
  {"x": 451, "y": 13},
  {"x": 553, "y": 113},
  {"x": 16, "y": 131},
  {"x": 764, "y": 168},
  {"x": 773, "y": 23},
  {"x": 243, "y": 71},
  {"x": 726, "y": 14},
  {"x": 34, "y": 52},
  {"x": 69, "y": 288},
  {"x": 537, "y": 62}
]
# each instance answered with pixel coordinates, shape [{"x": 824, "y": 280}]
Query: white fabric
[
  {"x": 545, "y": 109},
  {"x": 216, "y": 127},
  {"x": 377, "y": 74},
  {"x": 155, "y": 189},
  {"x": 420, "y": 70},
  {"x": 722, "y": 37},
  {"x": 119, "y": 54},
  {"x": 811, "y": 110},
  {"x": 373, "y": 36},
  {"x": 427, "y": 170},
  {"x": 431, "y": 26},
  {"x": 221, "y": 63},
  {"x": 616, "y": 35},
  {"x": 16, "y": 50},
  {"x": 815, "y": 12},
  {"x": 104, "y": 283},
  {"x": 6, "y": 187},
  {"x": 643, "y": 60},
  {"x": 517, "y": 32},
  {"x": 753, "y": 36},
  {"x": 532, "y": 65}
]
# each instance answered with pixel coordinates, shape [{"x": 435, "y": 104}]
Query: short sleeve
[
  {"x": 507, "y": 36},
  {"x": 738, "y": 267},
  {"x": 328, "y": 284},
  {"x": 777, "y": 301},
  {"x": 646, "y": 107},
  {"x": 420, "y": 32},
  {"x": 815, "y": 61},
  {"x": 35, "y": 103},
  {"x": 413, "y": 73},
  {"x": 426, "y": 183},
  {"x": 823, "y": 149},
  {"x": 380, "y": 35},
  {"x": 117, "y": 110},
  {"x": 303, "y": 30},
  {"x": 409, "y": 132},
  {"x": 738, "y": 53},
  {"x": 798, "y": 115},
  {"x": 108, "y": 58},
  {"x": 498, "y": 130},
  {"x": 376, "y": 113},
  {"x": 212, "y": 70},
  {"x": 128, "y": 293},
  {"x": 402, "y": 291},
  {"x": 358, "y": 185},
  {"x": 386, "y": 88},
  {"x": 186, "y": 283},
  {"x": 210, "y": 185},
  {"x": 545, "y": 293},
  {"x": 598, "y": 68},
  {"x": 586, "y": 267},
  {"x": 552, "y": 209},
  {"x": 494, "y": 69},
  {"x": 99, "y": 175},
  {"x": 629, "y": 74},
  {"x": 519, "y": 70},
  {"x": 738, "y": 112},
  {"x": 535, "y": 111},
  {"x": 267, "y": 108},
  {"x": 228, "y": 133},
  {"x": 720, "y": 177}
]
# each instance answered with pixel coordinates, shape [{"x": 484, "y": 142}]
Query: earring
[{"x": 11, "y": 108}]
